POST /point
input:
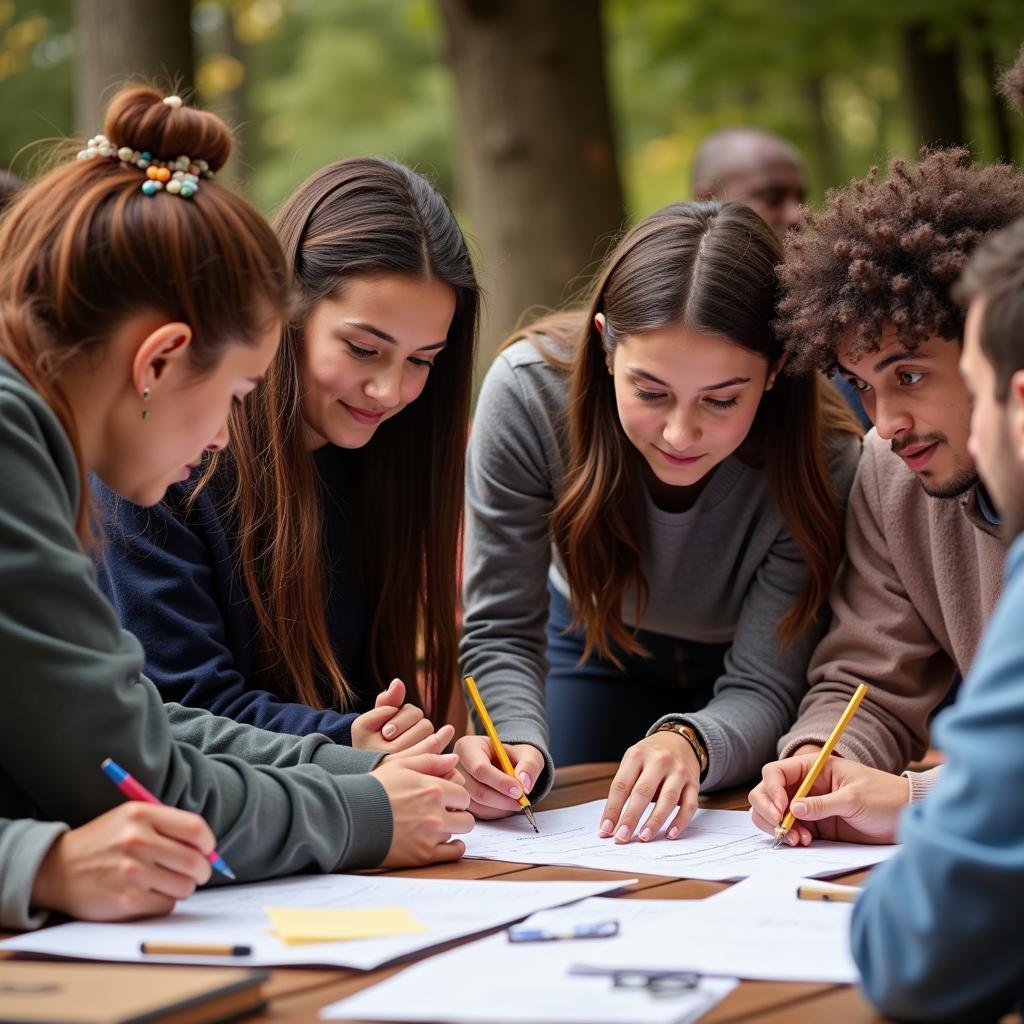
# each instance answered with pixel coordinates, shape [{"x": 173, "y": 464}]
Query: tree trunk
[
  {"x": 121, "y": 39},
  {"x": 933, "y": 88},
  {"x": 824, "y": 149},
  {"x": 536, "y": 166}
]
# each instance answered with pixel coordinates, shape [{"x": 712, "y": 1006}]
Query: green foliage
[
  {"x": 346, "y": 79},
  {"x": 827, "y": 76},
  {"x": 316, "y": 80},
  {"x": 35, "y": 78}
]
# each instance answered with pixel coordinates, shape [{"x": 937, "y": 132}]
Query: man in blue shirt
[{"x": 937, "y": 931}]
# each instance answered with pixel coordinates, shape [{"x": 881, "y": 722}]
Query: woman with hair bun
[
  {"x": 646, "y": 481},
  {"x": 288, "y": 581},
  {"x": 139, "y": 301}
]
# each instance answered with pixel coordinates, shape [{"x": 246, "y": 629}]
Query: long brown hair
[
  {"x": 361, "y": 216},
  {"x": 84, "y": 250},
  {"x": 712, "y": 267}
]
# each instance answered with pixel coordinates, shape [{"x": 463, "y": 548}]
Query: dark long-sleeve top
[{"x": 172, "y": 573}]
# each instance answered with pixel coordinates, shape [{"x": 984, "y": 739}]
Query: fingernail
[
  {"x": 525, "y": 780},
  {"x": 645, "y": 836},
  {"x": 793, "y": 839},
  {"x": 515, "y": 792},
  {"x": 623, "y": 833},
  {"x": 606, "y": 827},
  {"x": 388, "y": 731},
  {"x": 799, "y": 808},
  {"x": 673, "y": 832}
]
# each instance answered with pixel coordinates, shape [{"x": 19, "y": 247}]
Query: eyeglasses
[{"x": 660, "y": 984}]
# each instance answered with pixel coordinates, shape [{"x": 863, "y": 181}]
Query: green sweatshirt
[{"x": 73, "y": 693}]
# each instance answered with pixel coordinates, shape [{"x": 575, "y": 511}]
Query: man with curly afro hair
[
  {"x": 867, "y": 292},
  {"x": 936, "y": 932}
]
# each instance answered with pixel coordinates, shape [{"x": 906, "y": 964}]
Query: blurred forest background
[{"x": 549, "y": 123}]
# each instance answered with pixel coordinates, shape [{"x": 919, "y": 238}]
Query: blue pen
[
  {"x": 135, "y": 790},
  {"x": 594, "y": 930}
]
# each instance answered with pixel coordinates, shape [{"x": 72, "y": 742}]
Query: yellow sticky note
[{"x": 295, "y": 924}]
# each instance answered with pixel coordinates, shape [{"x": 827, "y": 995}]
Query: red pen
[{"x": 135, "y": 790}]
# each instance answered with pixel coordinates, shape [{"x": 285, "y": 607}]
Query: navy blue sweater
[{"x": 172, "y": 573}]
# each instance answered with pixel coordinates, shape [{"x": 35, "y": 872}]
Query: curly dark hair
[
  {"x": 888, "y": 251},
  {"x": 1011, "y": 83}
]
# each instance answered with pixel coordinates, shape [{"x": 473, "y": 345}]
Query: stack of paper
[
  {"x": 757, "y": 929},
  {"x": 493, "y": 981},
  {"x": 718, "y": 845},
  {"x": 236, "y": 915}
]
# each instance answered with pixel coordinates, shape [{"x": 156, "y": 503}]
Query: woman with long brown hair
[
  {"x": 646, "y": 481},
  {"x": 291, "y": 579},
  {"x": 139, "y": 299}
]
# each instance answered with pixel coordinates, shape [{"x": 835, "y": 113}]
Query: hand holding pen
[
  {"x": 136, "y": 860},
  {"x": 134, "y": 790}
]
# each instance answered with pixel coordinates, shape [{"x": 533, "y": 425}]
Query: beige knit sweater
[{"x": 918, "y": 583}]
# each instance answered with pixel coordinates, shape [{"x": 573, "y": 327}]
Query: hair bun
[{"x": 137, "y": 117}]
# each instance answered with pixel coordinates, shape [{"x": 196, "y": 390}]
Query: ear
[
  {"x": 1015, "y": 414},
  {"x": 160, "y": 354},
  {"x": 774, "y": 370}
]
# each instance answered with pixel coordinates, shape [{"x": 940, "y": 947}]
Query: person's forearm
[{"x": 213, "y": 734}]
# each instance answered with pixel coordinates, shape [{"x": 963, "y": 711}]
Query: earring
[{"x": 145, "y": 397}]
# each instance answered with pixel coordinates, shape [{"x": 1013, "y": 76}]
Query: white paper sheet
[
  {"x": 717, "y": 845},
  {"x": 234, "y": 914},
  {"x": 757, "y": 929},
  {"x": 493, "y": 981}
]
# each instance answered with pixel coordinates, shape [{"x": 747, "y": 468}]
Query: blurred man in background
[{"x": 747, "y": 165}]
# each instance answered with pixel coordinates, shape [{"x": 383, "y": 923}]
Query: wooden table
[{"x": 297, "y": 995}]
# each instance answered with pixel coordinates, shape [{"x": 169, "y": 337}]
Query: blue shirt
[
  {"x": 172, "y": 573},
  {"x": 937, "y": 932}
]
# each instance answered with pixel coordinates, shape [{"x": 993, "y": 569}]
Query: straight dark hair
[
  {"x": 712, "y": 267},
  {"x": 357, "y": 217}
]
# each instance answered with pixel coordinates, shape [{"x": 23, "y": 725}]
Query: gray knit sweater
[{"x": 726, "y": 570}]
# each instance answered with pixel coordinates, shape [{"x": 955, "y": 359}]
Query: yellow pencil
[
  {"x": 499, "y": 748},
  {"x": 819, "y": 761}
]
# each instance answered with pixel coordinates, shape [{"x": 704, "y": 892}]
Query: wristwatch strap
[{"x": 693, "y": 738}]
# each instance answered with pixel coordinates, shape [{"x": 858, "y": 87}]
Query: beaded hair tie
[{"x": 179, "y": 177}]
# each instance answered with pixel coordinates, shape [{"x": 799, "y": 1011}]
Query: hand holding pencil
[
  {"x": 846, "y": 801},
  {"x": 803, "y": 789},
  {"x": 497, "y": 776}
]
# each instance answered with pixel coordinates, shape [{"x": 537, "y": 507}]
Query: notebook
[{"x": 41, "y": 993}]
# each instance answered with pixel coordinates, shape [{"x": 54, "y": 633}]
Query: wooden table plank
[
  {"x": 462, "y": 869},
  {"x": 752, "y": 999},
  {"x": 678, "y": 889},
  {"x": 560, "y": 873}
]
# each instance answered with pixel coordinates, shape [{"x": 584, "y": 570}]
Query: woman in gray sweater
[
  {"x": 138, "y": 301},
  {"x": 646, "y": 482}
]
